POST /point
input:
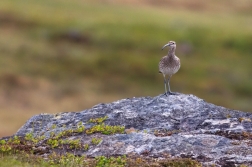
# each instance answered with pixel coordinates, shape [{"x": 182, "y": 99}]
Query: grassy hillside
[{"x": 65, "y": 55}]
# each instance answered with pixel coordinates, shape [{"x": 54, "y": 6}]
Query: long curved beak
[{"x": 165, "y": 46}]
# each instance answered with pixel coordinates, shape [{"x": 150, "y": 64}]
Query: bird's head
[{"x": 171, "y": 44}]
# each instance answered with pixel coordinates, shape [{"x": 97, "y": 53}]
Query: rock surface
[{"x": 178, "y": 125}]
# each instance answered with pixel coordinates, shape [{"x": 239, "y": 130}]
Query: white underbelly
[{"x": 170, "y": 71}]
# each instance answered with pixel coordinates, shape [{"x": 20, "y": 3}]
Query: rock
[{"x": 178, "y": 125}]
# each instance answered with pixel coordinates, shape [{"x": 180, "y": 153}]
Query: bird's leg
[
  {"x": 165, "y": 86},
  {"x": 168, "y": 83}
]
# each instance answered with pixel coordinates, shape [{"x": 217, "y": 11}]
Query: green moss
[
  {"x": 242, "y": 165},
  {"x": 53, "y": 126},
  {"x": 96, "y": 141},
  {"x": 53, "y": 142},
  {"x": 10, "y": 145},
  {"x": 86, "y": 147},
  {"x": 29, "y": 137},
  {"x": 64, "y": 133},
  {"x": 105, "y": 129},
  {"x": 24, "y": 157},
  {"x": 74, "y": 144},
  {"x": 103, "y": 161},
  {"x": 80, "y": 127},
  {"x": 98, "y": 120}
]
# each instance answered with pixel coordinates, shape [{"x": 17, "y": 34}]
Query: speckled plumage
[{"x": 169, "y": 64}]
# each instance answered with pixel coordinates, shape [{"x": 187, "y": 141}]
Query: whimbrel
[{"x": 169, "y": 65}]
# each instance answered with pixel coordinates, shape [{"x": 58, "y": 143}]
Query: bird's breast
[{"x": 169, "y": 66}]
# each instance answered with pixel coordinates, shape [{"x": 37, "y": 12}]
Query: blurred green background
[{"x": 68, "y": 55}]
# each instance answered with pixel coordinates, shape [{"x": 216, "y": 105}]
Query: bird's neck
[{"x": 171, "y": 51}]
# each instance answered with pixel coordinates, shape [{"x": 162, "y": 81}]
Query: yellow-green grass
[
  {"x": 65, "y": 55},
  {"x": 56, "y": 160}
]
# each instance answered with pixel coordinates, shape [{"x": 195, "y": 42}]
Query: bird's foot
[
  {"x": 172, "y": 93},
  {"x": 169, "y": 93}
]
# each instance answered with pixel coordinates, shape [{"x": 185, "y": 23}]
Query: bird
[{"x": 169, "y": 65}]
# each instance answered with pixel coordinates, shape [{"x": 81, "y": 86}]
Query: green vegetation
[
  {"x": 26, "y": 146},
  {"x": 23, "y": 152},
  {"x": 86, "y": 147},
  {"x": 80, "y": 127},
  {"x": 95, "y": 141},
  {"x": 58, "y": 141},
  {"x": 98, "y": 120},
  {"x": 15, "y": 151},
  {"x": 31, "y": 138},
  {"x": 75, "y": 144},
  {"x": 111, "y": 162},
  {"x": 29, "y": 160},
  {"x": 53, "y": 142},
  {"x": 100, "y": 127},
  {"x": 55, "y": 160},
  {"x": 105, "y": 129},
  {"x": 54, "y": 126}
]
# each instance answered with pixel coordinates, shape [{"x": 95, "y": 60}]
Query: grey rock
[{"x": 178, "y": 125}]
